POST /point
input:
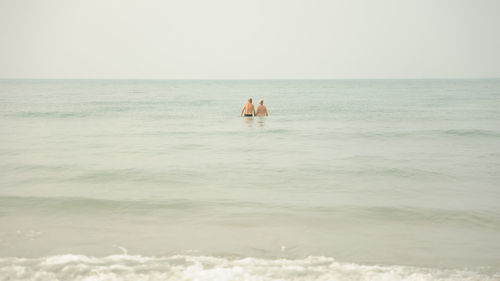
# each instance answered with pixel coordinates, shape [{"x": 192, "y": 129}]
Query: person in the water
[
  {"x": 261, "y": 109},
  {"x": 248, "y": 109}
]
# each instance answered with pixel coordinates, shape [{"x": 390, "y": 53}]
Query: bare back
[
  {"x": 261, "y": 110},
  {"x": 249, "y": 109}
]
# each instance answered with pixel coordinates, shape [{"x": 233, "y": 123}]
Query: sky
[{"x": 252, "y": 39}]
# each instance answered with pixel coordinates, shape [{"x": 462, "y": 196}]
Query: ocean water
[{"x": 163, "y": 180}]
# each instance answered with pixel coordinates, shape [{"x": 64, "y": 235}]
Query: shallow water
[{"x": 345, "y": 180}]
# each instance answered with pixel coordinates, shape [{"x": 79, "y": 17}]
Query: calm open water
[{"x": 162, "y": 180}]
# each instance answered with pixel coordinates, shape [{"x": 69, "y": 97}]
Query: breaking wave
[{"x": 181, "y": 267}]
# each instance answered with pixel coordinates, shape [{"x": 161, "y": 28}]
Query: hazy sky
[{"x": 235, "y": 39}]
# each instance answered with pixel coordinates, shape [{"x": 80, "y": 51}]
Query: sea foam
[{"x": 181, "y": 267}]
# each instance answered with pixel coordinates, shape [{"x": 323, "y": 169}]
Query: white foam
[{"x": 201, "y": 268}]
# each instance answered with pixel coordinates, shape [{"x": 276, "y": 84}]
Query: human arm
[{"x": 243, "y": 110}]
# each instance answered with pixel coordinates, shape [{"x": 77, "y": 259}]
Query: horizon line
[{"x": 252, "y": 79}]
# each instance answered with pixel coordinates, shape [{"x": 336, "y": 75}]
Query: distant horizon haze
[
  {"x": 249, "y": 40},
  {"x": 254, "y": 79}
]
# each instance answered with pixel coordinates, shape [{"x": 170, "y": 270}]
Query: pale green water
[{"x": 403, "y": 174}]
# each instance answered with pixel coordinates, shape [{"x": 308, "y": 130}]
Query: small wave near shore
[{"x": 184, "y": 267}]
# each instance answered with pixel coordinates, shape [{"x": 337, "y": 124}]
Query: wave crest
[{"x": 135, "y": 267}]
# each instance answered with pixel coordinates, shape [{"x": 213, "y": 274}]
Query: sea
[{"x": 163, "y": 180}]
